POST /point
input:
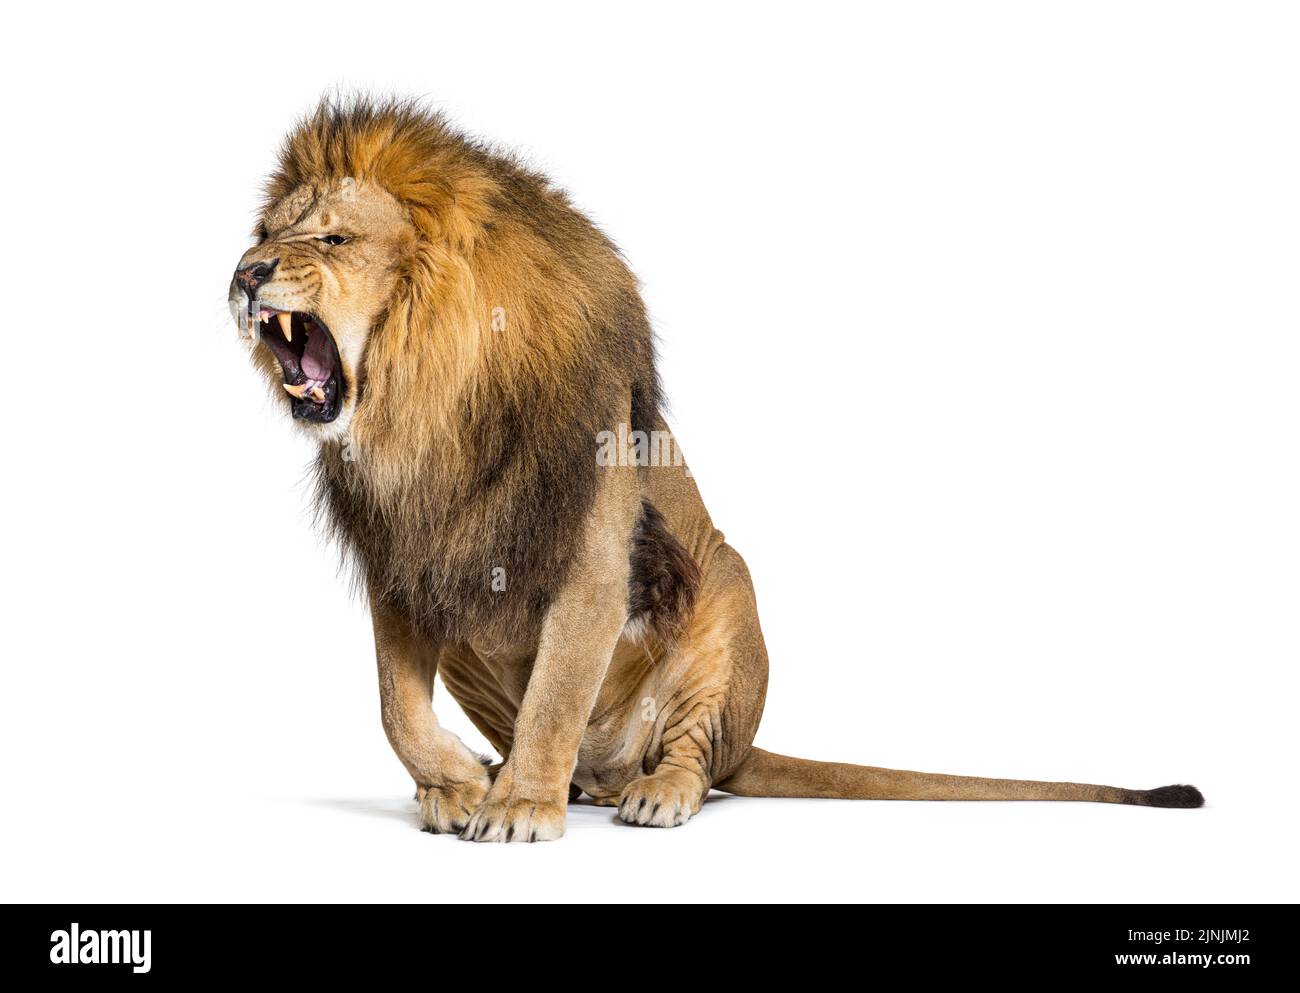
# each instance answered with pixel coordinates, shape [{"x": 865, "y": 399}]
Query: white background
[{"x": 979, "y": 328}]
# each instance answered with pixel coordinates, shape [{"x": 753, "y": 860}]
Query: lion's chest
[{"x": 460, "y": 572}]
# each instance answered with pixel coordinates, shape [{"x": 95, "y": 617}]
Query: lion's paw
[
  {"x": 512, "y": 818},
  {"x": 667, "y": 798},
  {"x": 446, "y": 809}
]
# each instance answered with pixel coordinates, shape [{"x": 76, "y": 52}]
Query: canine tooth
[
  {"x": 286, "y": 325},
  {"x": 296, "y": 391},
  {"x": 318, "y": 394}
]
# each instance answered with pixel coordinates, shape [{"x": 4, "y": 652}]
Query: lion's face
[{"x": 322, "y": 275}]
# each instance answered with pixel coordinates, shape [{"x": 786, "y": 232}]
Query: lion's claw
[
  {"x": 515, "y": 819},
  {"x": 446, "y": 809}
]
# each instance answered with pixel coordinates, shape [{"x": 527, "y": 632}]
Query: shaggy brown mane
[{"x": 475, "y": 444}]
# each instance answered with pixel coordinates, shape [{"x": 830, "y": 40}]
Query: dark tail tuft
[{"x": 1172, "y": 796}]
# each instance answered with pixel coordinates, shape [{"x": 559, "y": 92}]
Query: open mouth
[{"x": 309, "y": 360}]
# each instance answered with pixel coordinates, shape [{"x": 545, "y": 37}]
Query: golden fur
[{"x": 587, "y": 616}]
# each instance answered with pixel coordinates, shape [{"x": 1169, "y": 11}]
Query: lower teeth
[{"x": 311, "y": 388}]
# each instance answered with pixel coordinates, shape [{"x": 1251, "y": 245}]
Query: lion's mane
[{"x": 516, "y": 336}]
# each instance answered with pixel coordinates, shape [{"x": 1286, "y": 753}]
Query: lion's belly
[
  {"x": 623, "y": 736},
  {"x": 486, "y": 690}
]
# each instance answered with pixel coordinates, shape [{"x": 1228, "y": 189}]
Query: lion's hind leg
[
  {"x": 668, "y": 797},
  {"x": 675, "y": 791},
  {"x": 715, "y": 676}
]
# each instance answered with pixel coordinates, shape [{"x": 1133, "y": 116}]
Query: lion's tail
[{"x": 765, "y": 774}]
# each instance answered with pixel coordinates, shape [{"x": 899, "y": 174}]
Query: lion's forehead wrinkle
[
  {"x": 324, "y": 205},
  {"x": 287, "y": 209}
]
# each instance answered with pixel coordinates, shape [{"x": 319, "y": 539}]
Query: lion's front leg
[
  {"x": 450, "y": 780},
  {"x": 528, "y": 800}
]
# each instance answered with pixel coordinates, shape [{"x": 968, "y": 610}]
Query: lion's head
[
  {"x": 322, "y": 273},
  {"x": 366, "y": 221}
]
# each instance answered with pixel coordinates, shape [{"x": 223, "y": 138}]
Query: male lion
[{"x": 474, "y": 359}]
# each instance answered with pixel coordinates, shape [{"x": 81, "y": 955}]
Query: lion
[{"x": 474, "y": 360}]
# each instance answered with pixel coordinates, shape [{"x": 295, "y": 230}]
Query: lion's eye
[{"x": 332, "y": 239}]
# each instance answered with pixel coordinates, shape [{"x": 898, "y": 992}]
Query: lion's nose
[{"x": 250, "y": 277}]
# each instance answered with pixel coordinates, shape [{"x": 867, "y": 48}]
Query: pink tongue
[{"x": 316, "y": 359}]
